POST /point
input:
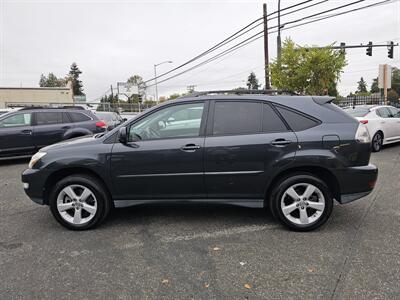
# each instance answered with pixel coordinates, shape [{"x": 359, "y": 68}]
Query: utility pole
[
  {"x": 266, "y": 58},
  {"x": 278, "y": 39},
  {"x": 385, "y": 83},
  {"x": 190, "y": 88}
]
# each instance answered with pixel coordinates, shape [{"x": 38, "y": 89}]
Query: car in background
[
  {"x": 25, "y": 131},
  {"x": 382, "y": 121},
  {"x": 112, "y": 119}
]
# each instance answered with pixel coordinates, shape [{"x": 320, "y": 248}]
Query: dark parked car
[
  {"x": 292, "y": 154},
  {"x": 112, "y": 119},
  {"x": 25, "y": 131}
]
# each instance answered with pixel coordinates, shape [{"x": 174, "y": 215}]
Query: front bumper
[
  {"x": 357, "y": 182},
  {"x": 34, "y": 182}
]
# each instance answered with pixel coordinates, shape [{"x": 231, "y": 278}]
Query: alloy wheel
[
  {"x": 303, "y": 203},
  {"x": 377, "y": 141},
  {"x": 76, "y": 204}
]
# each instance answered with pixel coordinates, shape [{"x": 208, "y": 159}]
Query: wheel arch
[
  {"x": 62, "y": 173},
  {"x": 324, "y": 174}
]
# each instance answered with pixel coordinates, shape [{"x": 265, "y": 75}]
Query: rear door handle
[
  {"x": 190, "y": 148},
  {"x": 66, "y": 127},
  {"x": 280, "y": 142},
  {"x": 26, "y": 132}
]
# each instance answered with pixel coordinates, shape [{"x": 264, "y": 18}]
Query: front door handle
[
  {"x": 66, "y": 127},
  {"x": 190, "y": 148},
  {"x": 26, "y": 132},
  {"x": 280, "y": 142}
]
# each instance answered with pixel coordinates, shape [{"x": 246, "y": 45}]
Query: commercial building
[{"x": 23, "y": 96}]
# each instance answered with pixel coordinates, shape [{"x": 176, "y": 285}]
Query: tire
[
  {"x": 298, "y": 211},
  {"x": 85, "y": 207},
  {"x": 377, "y": 142}
]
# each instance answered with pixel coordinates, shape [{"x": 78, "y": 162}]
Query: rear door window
[
  {"x": 48, "y": 118},
  {"x": 79, "y": 117},
  {"x": 384, "y": 112},
  {"x": 296, "y": 120},
  {"x": 271, "y": 121},
  {"x": 237, "y": 117}
]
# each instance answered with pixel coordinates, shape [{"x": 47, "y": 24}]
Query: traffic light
[
  {"x": 369, "y": 49},
  {"x": 390, "y": 49},
  {"x": 343, "y": 47}
]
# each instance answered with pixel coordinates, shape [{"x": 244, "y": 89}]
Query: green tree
[
  {"x": 392, "y": 96},
  {"x": 51, "y": 80},
  {"x": 252, "y": 82},
  {"x": 138, "y": 81},
  {"x": 73, "y": 76},
  {"x": 396, "y": 80},
  {"x": 305, "y": 70},
  {"x": 362, "y": 86},
  {"x": 174, "y": 96},
  {"x": 374, "y": 86}
]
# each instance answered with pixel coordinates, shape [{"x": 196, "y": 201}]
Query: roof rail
[
  {"x": 241, "y": 92},
  {"x": 52, "y": 107}
]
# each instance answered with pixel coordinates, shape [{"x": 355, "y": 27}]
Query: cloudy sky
[{"x": 111, "y": 40}]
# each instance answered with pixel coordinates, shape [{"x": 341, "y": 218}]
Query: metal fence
[{"x": 363, "y": 100}]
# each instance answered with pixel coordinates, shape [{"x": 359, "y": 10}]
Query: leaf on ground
[
  {"x": 216, "y": 248},
  {"x": 242, "y": 263},
  {"x": 248, "y": 286},
  {"x": 206, "y": 285},
  {"x": 165, "y": 281},
  {"x": 311, "y": 270}
]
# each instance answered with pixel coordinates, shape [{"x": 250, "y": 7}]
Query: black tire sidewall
[
  {"x": 284, "y": 184},
  {"x": 94, "y": 185},
  {"x": 373, "y": 144}
]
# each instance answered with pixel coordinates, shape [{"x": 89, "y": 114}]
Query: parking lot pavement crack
[{"x": 354, "y": 239}]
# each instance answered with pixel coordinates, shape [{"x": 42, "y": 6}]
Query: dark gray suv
[
  {"x": 291, "y": 154},
  {"x": 25, "y": 131}
]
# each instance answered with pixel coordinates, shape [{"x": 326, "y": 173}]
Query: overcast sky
[{"x": 111, "y": 40}]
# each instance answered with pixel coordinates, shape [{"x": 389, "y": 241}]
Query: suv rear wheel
[
  {"x": 79, "y": 202},
  {"x": 301, "y": 202}
]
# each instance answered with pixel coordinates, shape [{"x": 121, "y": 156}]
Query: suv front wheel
[
  {"x": 301, "y": 202},
  {"x": 79, "y": 202}
]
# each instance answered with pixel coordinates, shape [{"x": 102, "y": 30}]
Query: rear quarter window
[
  {"x": 296, "y": 120},
  {"x": 79, "y": 117}
]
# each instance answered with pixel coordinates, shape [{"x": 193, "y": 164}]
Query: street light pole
[{"x": 155, "y": 75}]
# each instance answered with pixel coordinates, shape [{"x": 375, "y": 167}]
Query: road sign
[{"x": 127, "y": 89}]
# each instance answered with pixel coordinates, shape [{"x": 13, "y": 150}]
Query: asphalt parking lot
[{"x": 202, "y": 252}]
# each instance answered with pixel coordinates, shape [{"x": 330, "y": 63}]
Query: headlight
[
  {"x": 362, "y": 134},
  {"x": 35, "y": 158}
]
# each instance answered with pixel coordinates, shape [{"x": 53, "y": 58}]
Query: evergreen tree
[
  {"x": 73, "y": 75},
  {"x": 252, "y": 82},
  {"x": 374, "y": 86},
  {"x": 362, "y": 86}
]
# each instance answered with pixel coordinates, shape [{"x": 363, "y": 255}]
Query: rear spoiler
[{"x": 322, "y": 99}]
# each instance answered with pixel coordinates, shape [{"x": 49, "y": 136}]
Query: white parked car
[{"x": 382, "y": 121}]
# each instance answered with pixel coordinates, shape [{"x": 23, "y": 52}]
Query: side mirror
[
  {"x": 122, "y": 135},
  {"x": 124, "y": 119}
]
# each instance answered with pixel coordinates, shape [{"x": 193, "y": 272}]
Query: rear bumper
[{"x": 357, "y": 182}]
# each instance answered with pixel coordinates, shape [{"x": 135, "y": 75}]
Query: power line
[
  {"x": 229, "y": 39},
  {"x": 258, "y": 35},
  {"x": 335, "y": 15}
]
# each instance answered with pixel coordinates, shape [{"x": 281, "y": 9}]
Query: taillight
[
  {"x": 362, "y": 134},
  {"x": 364, "y": 121},
  {"x": 101, "y": 124}
]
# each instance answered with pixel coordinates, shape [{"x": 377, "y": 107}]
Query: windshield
[{"x": 357, "y": 111}]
